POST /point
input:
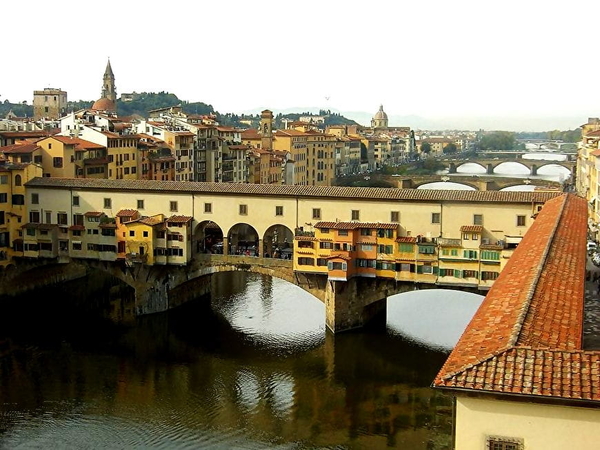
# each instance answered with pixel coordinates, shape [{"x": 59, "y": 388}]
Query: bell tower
[
  {"x": 109, "y": 90},
  {"x": 266, "y": 129}
]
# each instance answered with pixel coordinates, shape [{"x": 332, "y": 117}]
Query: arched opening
[
  {"x": 208, "y": 237},
  {"x": 278, "y": 242},
  {"x": 243, "y": 240}
]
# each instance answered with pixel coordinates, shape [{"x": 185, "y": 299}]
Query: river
[{"x": 253, "y": 367}]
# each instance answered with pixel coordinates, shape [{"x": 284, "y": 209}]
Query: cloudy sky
[{"x": 482, "y": 64}]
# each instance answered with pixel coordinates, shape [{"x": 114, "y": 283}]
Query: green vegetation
[
  {"x": 565, "y": 136},
  {"x": 498, "y": 140}
]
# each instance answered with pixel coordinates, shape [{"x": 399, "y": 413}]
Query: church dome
[
  {"x": 381, "y": 115},
  {"x": 103, "y": 104}
]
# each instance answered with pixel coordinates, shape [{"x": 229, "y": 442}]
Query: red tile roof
[
  {"x": 526, "y": 337},
  {"x": 354, "y": 225},
  {"x": 471, "y": 228}
]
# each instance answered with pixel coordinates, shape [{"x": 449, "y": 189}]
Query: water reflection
[
  {"x": 218, "y": 373},
  {"x": 435, "y": 318}
]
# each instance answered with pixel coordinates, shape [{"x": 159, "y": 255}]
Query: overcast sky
[{"x": 475, "y": 62}]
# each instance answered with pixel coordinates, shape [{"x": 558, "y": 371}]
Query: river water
[{"x": 253, "y": 367}]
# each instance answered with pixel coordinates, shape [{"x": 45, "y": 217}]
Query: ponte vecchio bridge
[{"x": 165, "y": 239}]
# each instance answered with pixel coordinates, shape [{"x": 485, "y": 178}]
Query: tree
[
  {"x": 498, "y": 140},
  {"x": 450, "y": 148},
  {"x": 426, "y": 148}
]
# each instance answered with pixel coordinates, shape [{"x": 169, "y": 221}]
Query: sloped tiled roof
[
  {"x": 526, "y": 337},
  {"x": 471, "y": 228},
  {"x": 354, "y": 225},
  {"x": 245, "y": 189}
]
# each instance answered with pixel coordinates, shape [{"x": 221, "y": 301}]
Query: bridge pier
[
  {"x": 355, "y": 303},
  {"x": 534, "y": 169},
  {"x": 490, "y": 169},
  {"x": 452, "y": 168}
]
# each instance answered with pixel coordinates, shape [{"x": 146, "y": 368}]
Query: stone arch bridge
[
  {"x": 348, "y": 305},
  {"x": 490, "y": 165}
]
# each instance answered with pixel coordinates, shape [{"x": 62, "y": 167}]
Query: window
[
  {"x": 487, "y": 254},
  {"x": 475, "y": 237},
  {"x": 316, "y": 213},
  {"x": 34, "y": 216},
  {"x": 485, "y": 276},
  {"x": 470, "y": 254},
  {"x": 395, "y": 216},
  {"x": 3, "y": 179},
  {"x": 520, "y": 221},
  {"x": 469, "y": 274},
  {"x": 48, "y": 217},
  {"x": 435, "y": 218},
  {"x": 35, "y": 199},
  {"x": 477, "y": 219},
  {"x": 61, "y": 218},
  {"x": 107, "y": 203},
  {"x": 4, "y": 197},
  {"x": 355, "y": 214},
  {"x": 18, "y": 180},
  {"x": 75, "y": 200},
  {"x": 365, "y": 232},
  {"x": 131, "y": 233},
  {"x": 279, "y": 210},
  {"x": 78, "y": 219},
  {"x": 145, "y": 234},
  {"x": 503, "y": 443},
  {"x": 406, "y": 248},
  {"x": 57, "y": 161},
  {"x": 243, "y": 210},
  {"x": 306, "y": 261},
  {"x": 385, "y": 249},
  {"x": 328, "y": 245},
  {"x": 426, "y": 249},
  {"x": 208, "y": 207},
  {"x": 342, "y": 232},
  {"x": 140, "y": 204},
  {"x": 173, "y": 206}
]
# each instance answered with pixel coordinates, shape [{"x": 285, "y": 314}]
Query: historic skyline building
[{"x": 108, "y": 97}]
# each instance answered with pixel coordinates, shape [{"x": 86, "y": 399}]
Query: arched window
[{"x": 18, "y": 181}]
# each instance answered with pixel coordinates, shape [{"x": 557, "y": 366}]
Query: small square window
[
  {"x": 477, "y": 219},
  {"x": 35, "y": 199},
  {"x": 208, "y": 207},
  {"x": 395, "y": 216},
  {"x": 140, "y": 204},
  {"x": 145, "y": 234},
  {"x": 131, "y": 233},
  {"x": 243, "y": 210},
  {"x": 75, "y": 200},
  {"x": 279, "y": 210},
  {"x": 504, "y": 443},
  {"x": 107, "y": 203},
  {"x": 173, "y": 206},
  {"x": 355, "y": 214},
  {"x": 316, "y": 213},
  {"x": 520, "y": 221},
  {"x": 435, "y": 218}
]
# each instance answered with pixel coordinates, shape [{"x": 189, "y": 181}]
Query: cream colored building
[{"x": 427, "y": 218}]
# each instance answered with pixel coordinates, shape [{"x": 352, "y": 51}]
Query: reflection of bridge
[{"x": 490, "y": 165}]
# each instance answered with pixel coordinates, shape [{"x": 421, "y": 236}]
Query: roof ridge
[{"x": 518, "y": 326}]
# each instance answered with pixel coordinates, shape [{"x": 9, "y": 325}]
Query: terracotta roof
[
  {"x": 370, "y": 193},
  {"x": 127, "y": 213},
  {"x": 179, "y": 219},
  {"x": 355, "y": 225},
  {"x": 19, "y": 149},
  {"x": 407, "y": 239},
  {"x": 526, "y": 337},
  {"x": 472, "y": 228},
  {"x": 93, "y": 214}
]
